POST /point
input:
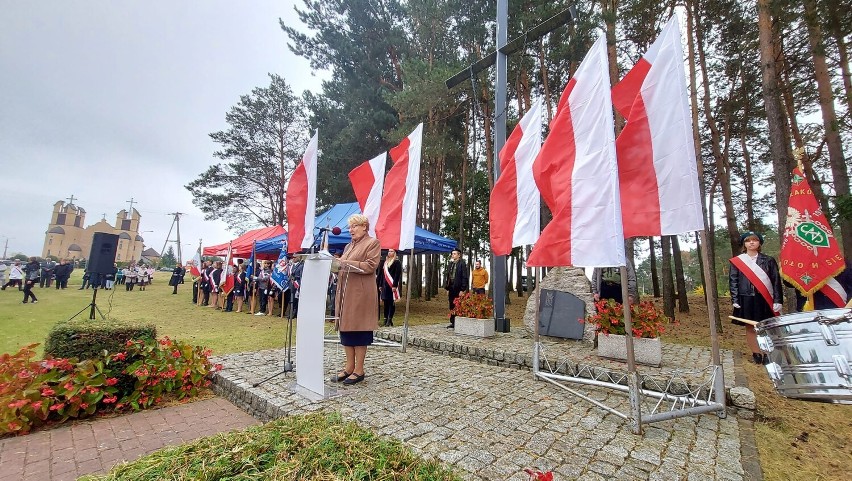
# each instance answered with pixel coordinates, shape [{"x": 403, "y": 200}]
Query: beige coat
[{"x": 357, "y": 299}]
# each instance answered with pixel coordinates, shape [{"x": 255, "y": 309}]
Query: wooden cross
[{"x": 71, "y": 200}]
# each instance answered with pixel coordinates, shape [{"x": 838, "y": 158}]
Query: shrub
[
  {"x": 35, "y": 392},
  {"x": 88, "y": 339},
  {"x": 477, "y": 306},
  {"x": 647, "y": 320}
]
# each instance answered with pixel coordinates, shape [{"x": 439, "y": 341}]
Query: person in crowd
[
  {"x": 63, "y": 273},
  {"x": 290, "y": 296},
  {"x": 16, "y": 276},
  {"x": 46, "y": 278},
  {"x": 130, "y": 276},
  {"x": 119, "y": 275},
  {"x": 3, "y": 270},
  {"x": 357, "y": 303},
  {"x": 455, "y": 282},
  {"x": 479, "y": 278},
  {"x": 215, "y": 283},
  {"x": 31, "y": 271},
  {"x": 262, "y": 281},
  {"x": 151, "y": 272},
  {"x": 143, "y": 277},
  {"x": 109, "y": 278},
  {"x": 239, "y": 292},
  {"x": 87, "y": 276},
  {"x": 206, "y": 288},
  {"x": 273, "y": 293},
  {"x": 756, "y": 291},
  {"x": 177, "y": 275},
  {"x": 389, "y": 280},
  {"x": 606, "y": 284}
]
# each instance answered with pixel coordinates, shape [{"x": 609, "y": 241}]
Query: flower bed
[
  {"x": 647, "y": 320},
  {"x": 477, "y": 306},
  {"x": 34, "y": 392}
]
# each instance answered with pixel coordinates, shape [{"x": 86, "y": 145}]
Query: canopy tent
[
  {"x": 337, "y": 216},
  {"x": 241, "y": 246}
]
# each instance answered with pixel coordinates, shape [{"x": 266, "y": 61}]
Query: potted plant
[
  {"x": 648, "y": 322},
  {"x": 474, "y": 315}
]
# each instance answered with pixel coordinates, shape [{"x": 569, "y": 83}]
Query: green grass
[
  {"x": 174, "y": 316},
  {"x": 316, "y": 446}
]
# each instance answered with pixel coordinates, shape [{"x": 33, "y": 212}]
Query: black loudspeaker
[{"x": 102, "y": 257}]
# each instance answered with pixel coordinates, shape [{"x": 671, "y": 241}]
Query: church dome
[
  {"x": 74, "y": 247},
  {"x": 124, "y": 235},
  {"x": 56, "y": 230}
]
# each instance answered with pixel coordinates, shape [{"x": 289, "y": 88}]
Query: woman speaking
[{"x": 357, "y": 303}]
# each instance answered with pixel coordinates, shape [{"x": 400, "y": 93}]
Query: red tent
[{"x": 241, "y": 246}]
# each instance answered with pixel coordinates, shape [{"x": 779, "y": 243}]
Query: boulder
[{"x": 564, "y": 279}]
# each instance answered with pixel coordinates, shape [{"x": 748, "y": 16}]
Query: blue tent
[{"x": 424, "y": 241}]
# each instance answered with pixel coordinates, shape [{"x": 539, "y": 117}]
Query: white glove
[
  {"x": 736, "y": 306},
  {"x": 776, "y": 307}
]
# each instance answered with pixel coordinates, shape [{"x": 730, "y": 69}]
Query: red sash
[
  {"x": 834, "y": 291},
  {"x": 389, "y": 281},
  {"x": 758, "y": 278}
]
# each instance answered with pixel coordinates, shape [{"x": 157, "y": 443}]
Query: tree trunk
[
  {"x": 829, "y": 118},
  {"x": 682, "y": 301},
  {"x": 710, "y": 287},
  {"x": 839, "y": 37},
  {"x": 655, "y": 277},
  {"x": 428, "y": 268},
  {"x": 779, "y": 147},
  {"x": 416, "y": 284},
  {"x": 668, "y": 286}
]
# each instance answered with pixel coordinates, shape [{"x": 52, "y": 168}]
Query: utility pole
[
  {"x": 5, "y": 247},
  {"x": 175, "y": 221}
]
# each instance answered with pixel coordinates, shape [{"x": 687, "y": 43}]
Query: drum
[{"x": 810, "y": 354}]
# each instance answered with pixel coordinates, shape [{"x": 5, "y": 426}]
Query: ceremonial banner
[
  {"x": 279, "y": 270},
  {"x": 514, "y": 210},
  {"x": 368, "y": 180},
  {"x": 657, "y": 169},
  {"x": 195, "y": 268},
  {"x": 302, "y": 200},
  {"x": 577, "y": 175},
  {"x": 810, "y": 255},
  {"x": 398, "y": 215},
  {"x": 228, "y": 274},
  {"x": 251, "y": 261}
]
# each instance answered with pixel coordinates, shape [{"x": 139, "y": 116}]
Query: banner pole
[
  {"x": 407, "y": 301},
  {"x": 632, "y": 376}
]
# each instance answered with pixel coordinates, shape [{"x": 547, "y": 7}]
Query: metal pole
[
  {"x": 712, "y": 306},
  {"x": 407, "y": 301},
  {"x": 537, "y": 343},
  {"x": 501, "y": 324},
  {"x": 179, "y": 249},
  {"x": 632, "y": 376}
]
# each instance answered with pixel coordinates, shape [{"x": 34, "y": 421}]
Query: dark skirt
[
  {"x": 753, "y": 308},
  {"x": 356, "y": 338}
]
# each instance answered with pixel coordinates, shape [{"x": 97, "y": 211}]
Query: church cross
[
  {"x": 71, "y": 200},
  {"x": 131, "y": 202}
]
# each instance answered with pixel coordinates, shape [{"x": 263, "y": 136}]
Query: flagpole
[
  {"x": 633, "y": 384},
  {"x": 407, "y": 301},
  {"x": 712, "y": 313}
]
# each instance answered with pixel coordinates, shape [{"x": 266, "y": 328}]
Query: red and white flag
[
  {"x": 302, "y": 200},
  {"x": 227, "y": 279},
  {"x": 398, "y": 215},
  {"x": 577, "y": 175},
  {"x": 195, "y": 268},
  {"x": 514, "y": 209},
  {"x": 367, "y": 181},
  {"x": 657, "y": 170}
]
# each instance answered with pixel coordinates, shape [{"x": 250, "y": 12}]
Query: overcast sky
[{"x": 110, "y": 101}]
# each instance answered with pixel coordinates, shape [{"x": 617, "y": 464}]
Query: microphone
[{"x": 334, "y": 230}]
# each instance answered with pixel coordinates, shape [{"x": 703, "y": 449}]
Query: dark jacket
[
  {"x": 741, "y": 286},
  {"x": 457, "y": 279},
  {"x": 177, "y": 273},
  {"x": 395, "y": 271},
  {"x": 63, "y": 271},
  {"x": 31, "y": 271}
]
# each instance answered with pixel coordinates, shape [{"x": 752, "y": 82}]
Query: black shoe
[
  {"x": 350, "y": 380},
  {"x": 341, "y": 377},
  {"x": 757, "y": 358},
  {"x": 451, "y": 326},
  {"x": 765, "y": 359},
  {"x": 390, "y": 323}
]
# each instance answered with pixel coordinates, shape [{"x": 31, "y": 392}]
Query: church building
[{"x": 67, "y": 238}]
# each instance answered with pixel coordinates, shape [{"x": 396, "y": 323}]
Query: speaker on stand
[{"x": 100, "y": 263}]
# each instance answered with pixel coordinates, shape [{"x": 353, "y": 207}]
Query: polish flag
[
  {"x": 398, "y": 215},
  {"x": 514, "y": 210},
  {"x": 367, "y": 181},
  {"x": 302, "y": 200},
  {"x": 657, "y": 169},
  {"x": 576, "y": 173},
  {"x": 227, "y": 280}
]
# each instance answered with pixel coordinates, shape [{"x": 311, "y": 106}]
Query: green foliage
[
  {"x": 647, "y": 320},
  {"x": 88, "y": 339},
  {"x": 313, "y": 446},
  {"x": 139, "y": 376},
  {"x": 477, "y": 306},
  {"x": 20, "y": 257},
  {"x": 168, "y": 259}
]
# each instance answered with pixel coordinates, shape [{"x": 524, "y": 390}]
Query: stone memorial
[{"x": 571, "y": 280}]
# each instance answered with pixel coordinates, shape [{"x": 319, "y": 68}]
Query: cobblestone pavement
[
  {"x": 490, "y": 422},
  {"x": 95, "y": 446}
]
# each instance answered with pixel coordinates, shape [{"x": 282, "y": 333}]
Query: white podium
[{"x": 310, "y": 332}]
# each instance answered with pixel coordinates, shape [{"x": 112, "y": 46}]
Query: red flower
[
  {"x": 47, "y": 392},
  {"x": 36, "y": 405},
  {"x": 111, "y": 381},
  {"x": 121, "y": 356},
  {"x": 110, "y": 399},
  {"x": 175, "y": 354},
  {"x": 218, "y": 367},
  {"x": 19, "y": 403},
  {"x": 57, "y": 406},
  {"x": 13, "y": 426}
]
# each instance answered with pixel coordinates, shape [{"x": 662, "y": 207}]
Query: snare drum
[{"x": 810, "y": 354}]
